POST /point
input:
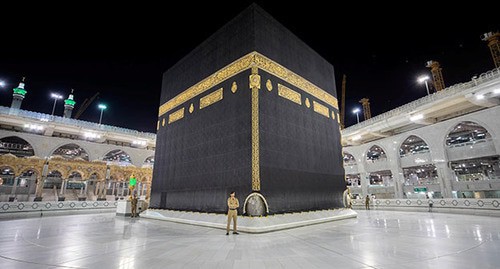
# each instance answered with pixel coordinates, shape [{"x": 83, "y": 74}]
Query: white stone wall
[{"x": 44, "y": 146}]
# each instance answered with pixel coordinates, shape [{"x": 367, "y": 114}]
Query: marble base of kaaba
[{"x": 252, "y": 224}]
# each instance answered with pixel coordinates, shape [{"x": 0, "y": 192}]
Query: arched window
[
  {"x": 75, "y": 181},
  {"x": 150, "y": 161},
  {"x": 71, "y": 151},
  {"x": 54, "y": 178},
  {"x": 349, "y": 159},
  {"x": 353, "y": 180},
  {"x": 118, "y": 156},
  {"x": 421, "y": 175},
  {"x": 94, "y": 176},
  {"x": 26, "y": 176},
  {"x": 75, "y": 176},
  {"x": 413, "y": 145},
  {"x": 7, "y": 175},
  {"x": 381, "y": 178},
  {"x": 466, "y": 131},
  {"x": 376, "y": 153},
  {"x": 16, "y": 146}
]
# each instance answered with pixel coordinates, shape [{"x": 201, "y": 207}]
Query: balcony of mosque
[
  {"x": 471, "y": 149},
  {"x": 46, "y": 118},
  {"x": 395, "y": 118},
  {"x": 416, "y": 158}
]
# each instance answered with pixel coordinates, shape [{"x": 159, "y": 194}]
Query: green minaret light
[
  {"x": 18, "y": 95},
  {"x": 69, "y": 104}
]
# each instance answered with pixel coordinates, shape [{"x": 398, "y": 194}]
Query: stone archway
[
  {"x": 28, "y": 179},
  {"x": 53, "y": 179},
  {"x": 149, "y": 161},
  {"x": 413, "y": 145},
  {"x": 16, "y": 146},
  {"x": 71, "y": 151},
  {"x": 118, "y": 156},
  {"x": 466, "y": 131},
  {"x": 8, "y": 174},
  {"x": 348, "y": 158},
  {"x": 376, "y": 153}
]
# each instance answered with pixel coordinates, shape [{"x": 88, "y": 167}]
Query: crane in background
[
  {"x": 437, "y": 75},
  {"x": 493, "y": 40},
  {"x": 342, "y": 103},
  {"x": 366, "y": 108},
  {"x": 85, "y": 105}
]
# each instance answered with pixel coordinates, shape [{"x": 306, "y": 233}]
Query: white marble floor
[{"x": 377, "y": 239}]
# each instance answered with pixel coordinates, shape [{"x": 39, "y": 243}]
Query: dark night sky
[{"x": 122, "y": 51}]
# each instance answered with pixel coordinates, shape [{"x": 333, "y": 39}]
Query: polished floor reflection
[{"x": 377, "y": 239}]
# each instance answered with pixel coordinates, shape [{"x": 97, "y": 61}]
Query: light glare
[
  {"x": 422, "y": 79},
  {"x": 417, "y": 117},
  {"x": 92, "y": 135},
  {"x": 56, "y": 96},
  {"x": 356, "y": 138}
]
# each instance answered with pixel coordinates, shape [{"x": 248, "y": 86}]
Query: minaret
[
  {"x": 69, "y": 104},
  {"x": 18, "y": 95}
]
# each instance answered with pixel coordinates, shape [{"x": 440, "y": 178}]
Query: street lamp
[
  {"x": 356, "y": 111},
  {"x": 2, "y": 83},
  {"x": 101, "y": 107},
  {"x": 423, "y": 79},
  {"x": 56, "y": 97}
]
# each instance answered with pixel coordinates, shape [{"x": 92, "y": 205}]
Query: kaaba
[{"x": 252, "y": 109}]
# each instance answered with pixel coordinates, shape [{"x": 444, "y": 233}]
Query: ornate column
[
  {"x": 63, "y": 186},
  {"x": 446, "y": 176},
  {"x": 398, "y": 177},
  {"x": 114, "y": 188},
  {"x": 85, "y": 188},
  {"x": 440, "y": 159},
  {"x": 32, "y": 185},
  {"x": 363, "y": 177},
  {"x": 14, "y": 186},
  {"x": 41, "y": 181},
  {"x": 96, "y": 188},
  {"x": 123, "y": 189},
  {"x": 397, "y": 173},
  {"x": 104, "y": 190},
  {"x": 148, "y": 191}
]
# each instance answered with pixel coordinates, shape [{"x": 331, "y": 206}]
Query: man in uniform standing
[
  {"x": 232, "y": 213},
  {"x": 133, "y": 204}
]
